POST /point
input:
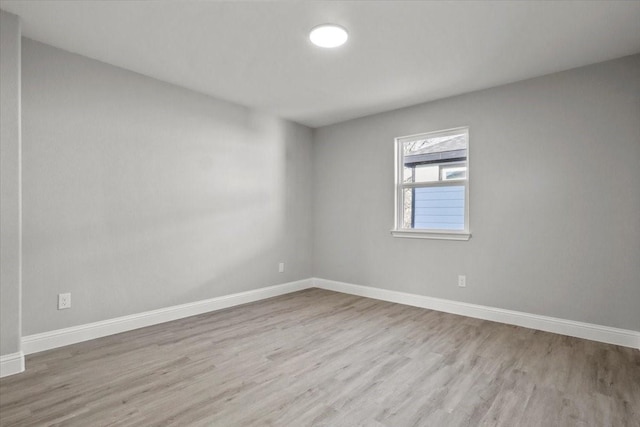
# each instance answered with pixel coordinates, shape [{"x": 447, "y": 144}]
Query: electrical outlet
[
  {"x": 64, "y": 301},
  {"x": 281, "y": 267},
  {"x": 462, "y": 281}
]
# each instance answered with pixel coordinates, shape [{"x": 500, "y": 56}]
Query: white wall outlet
[
  {"x": 64, "y": 301},
  {"x": 462, "y": 281},
  {"x": 281, "y": 267}
]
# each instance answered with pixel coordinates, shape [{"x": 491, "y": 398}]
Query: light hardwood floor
[{"x": 315, "y": 358}]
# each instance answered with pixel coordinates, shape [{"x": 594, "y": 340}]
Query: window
[{"x": 432, "y": 188}]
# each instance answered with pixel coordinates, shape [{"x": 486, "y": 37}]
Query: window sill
[{"x": 439, "y": 235}]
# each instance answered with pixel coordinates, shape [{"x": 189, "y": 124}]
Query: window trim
[{"x": 397, "y": 231}]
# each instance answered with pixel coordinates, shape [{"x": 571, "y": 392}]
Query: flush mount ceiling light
[{"x": 328, "y": 35}]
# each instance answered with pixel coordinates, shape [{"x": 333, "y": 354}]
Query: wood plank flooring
[{"x": 320, "y": 358}]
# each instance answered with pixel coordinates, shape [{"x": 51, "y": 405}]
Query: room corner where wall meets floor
[{"x": 67, "y": 336}]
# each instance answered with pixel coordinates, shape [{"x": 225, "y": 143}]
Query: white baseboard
[
  {"x": 61, "y": 337},
  {"x": 11, "y": 364},
  {"x": 623, "y": 337},
  {"x": 14, "y": 363}
]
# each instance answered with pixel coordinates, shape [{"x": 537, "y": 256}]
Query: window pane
[
  {"x": 423, "y": 158},
  {"x": 427, "y": 173},
  {"x": 451, "y": 173},
  {"x": 439, "y": 208},
  {"x": 421, "y": 173}
]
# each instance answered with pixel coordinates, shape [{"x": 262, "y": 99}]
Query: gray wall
[
  {"x": 139, "y": 195},
  {"x": 9, "y": 183},
  {"x": 554, "y": 190}
]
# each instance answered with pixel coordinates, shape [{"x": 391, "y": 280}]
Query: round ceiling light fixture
[{"x": 328, "y": 35}]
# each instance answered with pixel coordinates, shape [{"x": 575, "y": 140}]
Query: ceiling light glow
[{"x": 328, "y": 35}]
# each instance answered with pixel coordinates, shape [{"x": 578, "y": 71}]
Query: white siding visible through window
[{"x": 432, "y": 191}]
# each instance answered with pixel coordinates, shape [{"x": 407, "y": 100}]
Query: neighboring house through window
[{"x": 432, "y": 189}]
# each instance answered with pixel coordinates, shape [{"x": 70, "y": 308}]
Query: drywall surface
[
  {"x": 140, "y": 195},
  {"x": 9, "y": 183},
  {"x": 554, "y": 198}
]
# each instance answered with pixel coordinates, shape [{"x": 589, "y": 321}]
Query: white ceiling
[{"x": 398, "y": 54}]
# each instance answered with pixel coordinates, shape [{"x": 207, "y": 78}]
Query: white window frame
[{"x": 397, "y": 230}]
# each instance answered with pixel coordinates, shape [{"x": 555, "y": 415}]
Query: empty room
[{"x": 322, "y": 213}]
